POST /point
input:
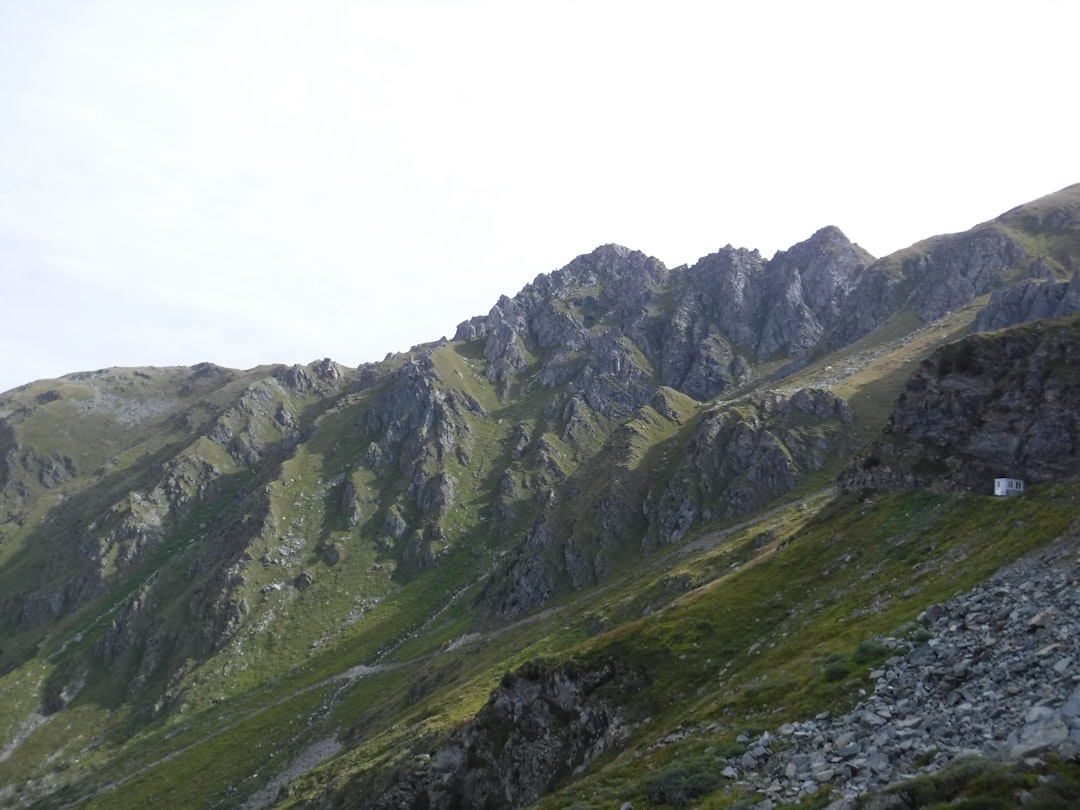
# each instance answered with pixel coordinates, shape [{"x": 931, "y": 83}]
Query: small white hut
[{"x": 1008, "y": 486}]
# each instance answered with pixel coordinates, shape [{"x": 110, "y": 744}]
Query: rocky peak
[
  {"x": 729, "y": 284},
  {"x": 827, "y": 265},
  {"x": 615, "y": 267},
  {"x": 807, "y": 291},
  {"x": 576, "y": 327},
  {"x": 695, "y": 329},
  {"x": 609, "y": 263}
]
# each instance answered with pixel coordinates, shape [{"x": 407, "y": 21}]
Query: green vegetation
[
  {"x": 822, "y": 596},
  {"x": 824, "y": 585},
  {"x": 974, "y": 783},
  {"x": 214, "y": 583},
  {"x": 683, "y": 781}
]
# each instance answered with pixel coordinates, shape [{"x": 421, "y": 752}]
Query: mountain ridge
[{"x": 173, "y": 541}]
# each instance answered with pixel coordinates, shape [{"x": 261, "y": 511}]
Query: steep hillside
[
  {"x": 1049, "y": 228},
  {"x": 990, "y": 405},
  {"x": 512, "y": 565}
]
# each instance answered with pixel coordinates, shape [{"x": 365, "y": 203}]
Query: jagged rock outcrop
[
  {"x": 262, "y": 421},
  {"x": 1004, "y": 404},
  {"x": 1049, "y": 289},
  {"x": 614, "y": 322},
  {"x": 807, "y": 292},
  {"x": 957, "y": 269},
  {"x": 1029, "y": 300},
  {"x": 740, "y": 457},
  {"x": 557, "y": 313},
  {"x": 539, "y": 726},
  {"x": 930, "y": 278},
  {"x": 700, "y": 329},
  {"x": 745, "y": 455},
  {"x": 416, "y": 425}
]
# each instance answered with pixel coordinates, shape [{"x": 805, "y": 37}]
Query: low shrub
[
  {"x": 680, "y": 783},
  {"x": 836, "y": 669},
  {"x": 871, "y": 651}
]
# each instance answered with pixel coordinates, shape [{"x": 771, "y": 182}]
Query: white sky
[{"x": 253, "y": 181}]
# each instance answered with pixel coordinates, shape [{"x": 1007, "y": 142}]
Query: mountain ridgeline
[{"x": 341, "y": 564}]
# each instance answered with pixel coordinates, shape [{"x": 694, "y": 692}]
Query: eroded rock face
[
  {"x": 1029, "y": 300},
  {"x": 617, "y": 314},
  {"x": 743, "y": 456},
  {"x": 961, "y": 268},
  {"x": 538, "y": 726},
  {"x": 416, "y": 424},
  {"x": 931, "y": 278},
  {"x": 808, "y": 292},
  {"x": 614, "y": 322},
  {"x": 605, "y": 331},
  {"x": 739, "y": 457},
  {"x": 989, "y": 405}
]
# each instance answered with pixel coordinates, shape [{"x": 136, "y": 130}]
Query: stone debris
[{"x": 996, "y": 676}]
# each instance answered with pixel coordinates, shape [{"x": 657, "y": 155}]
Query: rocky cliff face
[
  {"x": 614, "y": 322},
  {"x": 619, "y": 322},
  {"x": 1036, "y": 241},
  {"x": 743, "y": 456},
  {"x": 807, "y": 293},
  {"x": 1048, "y": 227},
  {"x": 638, "y": 493},
  {"x": 540, "y": 726},
  {"x": 417, "y": 425},
  {"x": 1031, "y": 299},
  {"x": 990, "y": 405}
]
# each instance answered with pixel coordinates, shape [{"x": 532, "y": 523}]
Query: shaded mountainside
[
  {"x": 539, "y": 726},
  {"x": 164, "y": 451},
  {"x": 654, "y": 481},
  {"x": 267, "y": 568},
  {"x": 1004, "y": 404}
]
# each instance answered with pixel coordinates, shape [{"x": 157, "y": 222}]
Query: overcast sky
[{"x": 253, "y": 181}]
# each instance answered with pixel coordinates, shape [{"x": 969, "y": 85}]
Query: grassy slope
[
  {"x": 353, "y": 613},
  {"x": 118, "y": 445},
  {"x": 1031, "y": 224},
  {"x": 773, "y": 602},
  {"x": 752, "y": 648},
  {"x": 747, "y": 648},
  {"x": 253, "y": 689}
]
